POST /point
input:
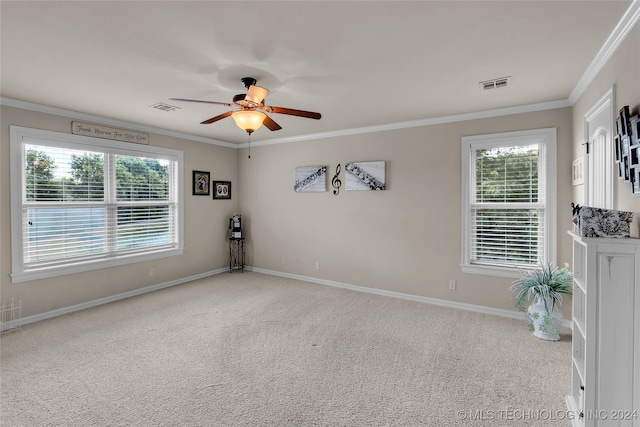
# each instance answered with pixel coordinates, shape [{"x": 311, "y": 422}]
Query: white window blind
[
  {"x": 506, "y": 201},
  {"x": 506, "y": 216},
  {"x": 87, "y": 203}
]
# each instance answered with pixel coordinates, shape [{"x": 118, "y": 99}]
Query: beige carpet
[{"x": 246, "y": 349}]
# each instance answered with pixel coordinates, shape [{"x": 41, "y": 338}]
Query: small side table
[{"x": 236, "y": 254}]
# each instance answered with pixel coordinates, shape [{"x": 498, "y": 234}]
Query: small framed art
[
  {"x": 221, "y": 189},
  {"x": 201, "y": 183}
]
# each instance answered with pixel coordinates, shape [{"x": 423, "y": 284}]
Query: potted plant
[{"x": 545, "y": 286}]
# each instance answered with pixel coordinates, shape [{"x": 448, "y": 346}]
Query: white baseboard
[
  {"x": 94, "y": 303},
  {"x": 435, "y": 301}
]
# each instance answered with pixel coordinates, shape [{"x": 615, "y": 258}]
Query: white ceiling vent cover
[
  {"x": 495, "y": 83},
  {"x": 164, "y": 107}
]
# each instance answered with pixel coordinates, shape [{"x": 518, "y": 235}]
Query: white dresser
[{"x": 605, "y": 388}]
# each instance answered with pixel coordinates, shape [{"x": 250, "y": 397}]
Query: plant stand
[{"x": 236, "y": 254}]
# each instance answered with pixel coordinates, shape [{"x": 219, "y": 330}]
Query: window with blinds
[
  {"x": 506, "y": 200},
  {"x": 88, "y": 203}
]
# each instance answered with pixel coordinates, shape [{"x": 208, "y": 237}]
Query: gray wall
[
  {"x": 206, "y": 222},
  {"x": 405, "y": 239}
]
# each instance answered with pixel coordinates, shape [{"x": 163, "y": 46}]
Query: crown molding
[
  {"x": 619, "y": 33},
  {"x": 24, "y": 105},
  {"x": 551, "y": 105},
  {"x": 307, "y": 137}
]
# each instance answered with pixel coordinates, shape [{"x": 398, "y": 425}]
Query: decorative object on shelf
[
  {"x": 201, "y": 183},
  {"x": 335, "y": 182},
  {"x": 221, "y": 189},
  {"x": 310, "y": 179},
  {"x": 575, "y": 210},
  {"x": 596, "y": 222},
  {"x": 365, "y": 176},
  {"x": 235, "y": 226},
  {"x": 546, "y": 287},
  {"x": 236, "y": 243}
]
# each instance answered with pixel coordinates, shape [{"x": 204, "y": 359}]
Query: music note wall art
[{"x": 335, "y": 181}]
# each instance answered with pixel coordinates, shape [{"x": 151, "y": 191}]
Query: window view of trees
[
  {"x": 67, "y": 215},
  {"x": 136, "y": 178},
  {"x": 507, "y": 220},
  {"x": 507, "y": 174}
]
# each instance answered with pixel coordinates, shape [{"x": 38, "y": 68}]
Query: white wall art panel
[
  {"x": 365, "y": 176},
  {"x": 310, "y": 179}
]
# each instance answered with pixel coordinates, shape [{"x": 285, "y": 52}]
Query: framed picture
[
  {"x": 634, "y": 127},
  {"x": 635, "y": 180},
  {"x": 221, "y": 189},
  {"x": 310, "y": 179},
  {"x": 626, "y": 171},
  {"x": 624, "y": 121},
  {"x": 634, "y": 156},
  {"x": 365, "y": 176},
  {"x": 201, "y": 183},
  {"x": 624, "y": 144}
]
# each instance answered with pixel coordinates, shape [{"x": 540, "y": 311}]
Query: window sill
[
  {"x": 47, "y": 272},
  {"x": 489, "y": 270}
]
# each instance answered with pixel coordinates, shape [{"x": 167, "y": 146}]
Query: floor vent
[
  {"x": 164, "y": 107},
  {"x": 495, "y": 83}
]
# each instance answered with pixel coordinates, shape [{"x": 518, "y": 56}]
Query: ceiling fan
[{"x": 250, "y": 116}]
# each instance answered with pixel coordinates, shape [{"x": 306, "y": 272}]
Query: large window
[
  {"x": 509, "y": 183},
  {"x": 82, "y": 203}
]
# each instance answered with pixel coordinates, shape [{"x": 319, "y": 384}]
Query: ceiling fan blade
[
  {"x": 204, "y": 102},
  {"x": 256, "y": 94},
  {"x": 270, "y": 124},
  {"x": 292, "y": 112},
  {"x": 216, "y": 118}
]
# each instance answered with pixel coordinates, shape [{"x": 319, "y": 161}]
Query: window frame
[
  {"x": 21, "y": 136},
  {"x": 546, "y": 137}
]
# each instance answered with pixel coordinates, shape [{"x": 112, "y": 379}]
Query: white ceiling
[{"x": 359, "y": 63}]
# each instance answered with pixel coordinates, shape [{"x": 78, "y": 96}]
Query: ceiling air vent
[
  {"x": 495, "y": 83},
  {"x": 164, "y": 107}
]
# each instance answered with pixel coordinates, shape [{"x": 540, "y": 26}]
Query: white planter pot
[{"x": 545, "y": 325}]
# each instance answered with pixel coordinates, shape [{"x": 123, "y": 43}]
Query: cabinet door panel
[{"x": 615, "y": 278}]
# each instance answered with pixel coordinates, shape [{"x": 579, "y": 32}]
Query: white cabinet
[{"x": 605, "y": 388}]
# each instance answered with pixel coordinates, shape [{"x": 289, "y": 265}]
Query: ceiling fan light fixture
[
  {"x": 256, "y": 94},
  {"x": 248, "y": 120}
]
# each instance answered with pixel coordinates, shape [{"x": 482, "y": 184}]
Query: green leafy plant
[{"x": 545, "y": 284}]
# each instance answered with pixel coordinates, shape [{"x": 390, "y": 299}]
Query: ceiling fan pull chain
[{"x": 249, "y": 156}]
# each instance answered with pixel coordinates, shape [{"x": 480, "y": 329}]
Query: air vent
[
  {"x": 164, "y": 107},
  {"x": 495, "y": 83}
]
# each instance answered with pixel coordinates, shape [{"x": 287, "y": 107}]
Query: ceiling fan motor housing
[{"x": 248, "y": 81}]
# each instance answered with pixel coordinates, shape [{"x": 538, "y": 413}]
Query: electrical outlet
[
  {"x": 452, "y": 285},
  {"x": 152, "y": 272},
  {"x": 317, "y": 265}
]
